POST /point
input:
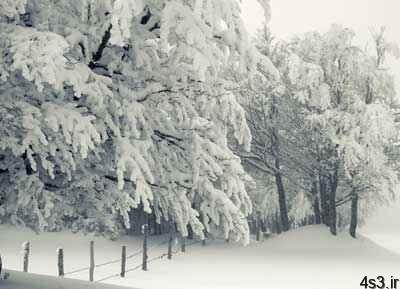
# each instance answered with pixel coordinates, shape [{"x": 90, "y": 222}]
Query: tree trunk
[
  {"x": 263, "y": 225},
  {"x": 204, "y": 230},
  {"x": 317, "y": 210},
  {"x": 332, "y": 201},
  {"x": 275, "y": 145},
  {"x": 190, "y": 233},
  {"x": 282, "y": 203},
  {"x": 332, "y": 212},
  {"x": 183, "y": 244},
  {"x": 354, "y": 215},
  {"x": 171, "y": 238},
  {"x": 324, "y": 200},
  {"x": 277, "y": 224},
  {"x": 258, "y": 227}
]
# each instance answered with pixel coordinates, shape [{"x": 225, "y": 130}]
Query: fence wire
[
  {"x": 176, "y": 251},
  {"x": 137, "y": 253},
  {"x": 77, "y": 271}
]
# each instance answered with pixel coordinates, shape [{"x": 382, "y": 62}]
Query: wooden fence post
[
  {"x": 3, "y": 274},
  {"x": 123, "y": 261},
  {"x": 26, "y": 251},
  {"x": 183, "y": 244},
  {"x": 60, "y": 263},
  {"x": 145, "y": 257},
  {"x": 92, "y": 264}
]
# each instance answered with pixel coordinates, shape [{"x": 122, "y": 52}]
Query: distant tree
[
  {"x": 280, "y": 148},
  {"x": 358, "y": 121},
  {"x": 326, "y": 117}
]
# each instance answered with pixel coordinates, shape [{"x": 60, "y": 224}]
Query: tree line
[
  {"x": 116, "y": 113},
  {"x": 325, "y": 135}
]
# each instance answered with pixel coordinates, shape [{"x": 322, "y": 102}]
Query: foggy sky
[{"x": 296, "y": 16}]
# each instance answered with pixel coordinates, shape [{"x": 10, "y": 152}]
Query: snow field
[{"x": 308, "y": 258}]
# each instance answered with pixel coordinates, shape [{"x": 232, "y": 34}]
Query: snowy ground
[
  {"x": 384, "y": 227},
  {"x": 20, "y": 280},
  {"x": 308, "y": 258}
]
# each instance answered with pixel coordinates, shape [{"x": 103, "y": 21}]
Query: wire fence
[
  {"x": 135, "y": 254},
  {"x": 159, "y": 257},
  {"x": 172, "y": 249},
  {"x": 77, "y": 271}
]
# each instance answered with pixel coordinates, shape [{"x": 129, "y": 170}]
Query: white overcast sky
[{"x": 296, "y": 16}]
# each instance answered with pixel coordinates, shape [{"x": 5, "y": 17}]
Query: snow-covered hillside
[{"x": 308, "y": 258}]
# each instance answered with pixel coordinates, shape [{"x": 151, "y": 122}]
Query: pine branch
[
  {"x": 152, "y": 93},
  {"x": 115, "y": 180},
  {"x": 169, "y": 138}
]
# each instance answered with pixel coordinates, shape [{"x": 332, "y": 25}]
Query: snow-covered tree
[
  {"x": 109, "y": 104},
  {"x": 357, "y": 119},
  {"x": 322, "y": 129},
  {"x": 281, "y": 141}
]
